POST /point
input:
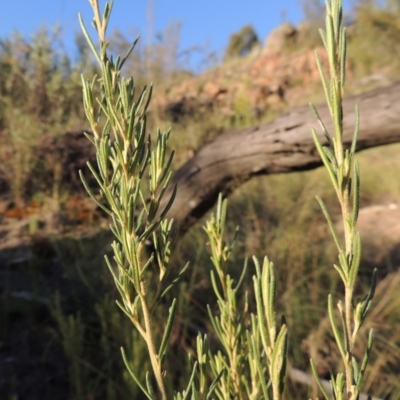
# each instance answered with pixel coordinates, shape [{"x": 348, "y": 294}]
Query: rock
[
  {"x": 268, "y": 79},
  {"x": 213, "y": 89},
  {"x": 279, "y": 38},
  {"x": 379, "y": 226}
]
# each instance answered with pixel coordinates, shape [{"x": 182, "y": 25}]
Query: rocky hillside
[
  {"x": 275, "y": 76},
  {"x": 281, "y": 74}
]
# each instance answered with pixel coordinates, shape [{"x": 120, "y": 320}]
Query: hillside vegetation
[{"x": 60, "y": 331}]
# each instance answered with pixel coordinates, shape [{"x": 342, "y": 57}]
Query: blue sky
[{"x": 207, "y": 23}]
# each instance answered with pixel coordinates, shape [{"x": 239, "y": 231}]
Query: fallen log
[{"x": 280, "y": 146}]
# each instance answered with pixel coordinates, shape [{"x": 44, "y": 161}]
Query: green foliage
[
  {"x": 125, "y": 160},
  {"x": 22, "y": 137},
  {"x": 244, "y": 336},
  {"x": 243, "y": 111},
  {"x": 133, "y": 177},
  {"x": 241, "y": 43},
  {"x": 73, "y": 330},
  {"x": 375, "y": 23},
  {"x": 345, "y": 177},
  {"x": 91, "y": 328},
  {"x": 38, "y": 78},
  {"x": 221, "y": 351},
  {"x": 39, "y": 92}
]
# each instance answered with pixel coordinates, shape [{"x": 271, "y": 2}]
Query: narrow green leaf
[
  {"x": 343, "y": 47},
  {"x": 344, "y": 262},
  {"x": 321, "y": 123},
  {"x": 131, "y": 214},
  {"x": 170, "y": 202},
  {"x": 242, "y": 276},
  {"x": 214, "y": 384},
  {"x": 356, "y": 130},
  {"x": 368, "y": 298},
  {"x": 106, "y": 14},
  {"x": 116, "y": 120},
  {"x": 128, "y": 53},
  {"x": 134, "y": 376},
  {"x": 343, "y": 321},
  {"x": 323, "y": 80},
  {"x": 356, "y": 371},
  {"x": 167, "y": 330},
  {"x": 365, "y": 359},
  {"x": 334, "y": 327},
  {"x": 268, "y": 291},
  {"x": 93, "y": 197},
  {"x": 337, "y": 116},
  {"x": 355, "y": 262},
  {"x": 278, "y": 362},
  {"x": 337, "y": 386},
  {"x": 140, "y": 100},
  {"x": 325, "y": 160},
  {"x": 261, "y": 374},
  {"x": 356, "y": 193},
  {"x": 323, "y": 37},
  {"x": 318, "y": 380},
  {"x": 149, "y": 385},
  {"x": 191, "y": 380},
  {"x": 176, "y": 280},
  {"x": 331, "y": 157},
  {"x": 261, "y": 312},
  {"x": 96, "y": 176},
  {"x": 330, "y": 222},
  {"x": 90, "y": 139},
  {"x": 150, "y": 95},
  {"x": 88, "y": 39},
  {"x": 341, "y": 273},
  {"x": 166, "y": 168}
]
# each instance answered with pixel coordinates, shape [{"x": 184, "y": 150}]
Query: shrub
[
  {"x": 242, "y": 42},
  {"x": 133, "y": 172}
]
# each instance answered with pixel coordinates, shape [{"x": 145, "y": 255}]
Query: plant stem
[
  {"x": 344, "y": 175},
  {"x": 349, "y": 355},
  {"x": 95, "y": 6},
  {"x": 155, "y": 362},
  {"x": 348, "y": 232}
]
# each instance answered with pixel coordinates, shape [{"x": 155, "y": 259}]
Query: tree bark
[{"x": 280, "y": 146}]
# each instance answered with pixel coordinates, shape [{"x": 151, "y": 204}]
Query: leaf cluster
[
  {"x": 344, "y": 174},
  {"x": 133, "y": 173}
]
